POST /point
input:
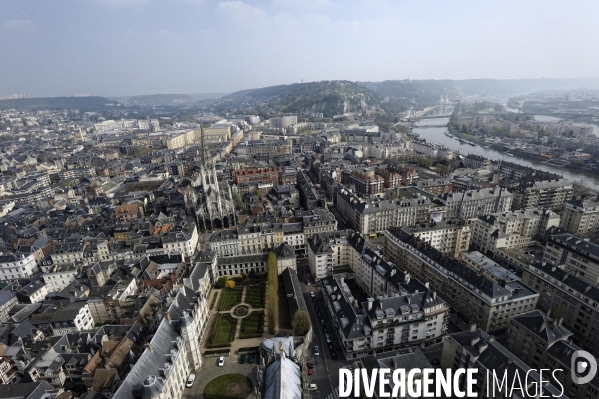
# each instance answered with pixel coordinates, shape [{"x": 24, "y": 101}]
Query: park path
[{"x": 237, "y": 343}]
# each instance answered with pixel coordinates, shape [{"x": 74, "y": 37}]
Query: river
[{"x": 436, "y": 135}]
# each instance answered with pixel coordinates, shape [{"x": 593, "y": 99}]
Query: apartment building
[
  {"x": 573, "y": 254},
  {"x": 435, "y": 186},
  {"x": 392, "y": 179},
  {"x": 57, "y": 277},
  {"x": 76, "y": 173},
  {"x": 318, "y": 221},
  {"x": 477, "y": 349},
  {"x": 480, "y": 299},
  {"x": 272, "y": 175},
  {"x": 184, "y": 242},
  {"x": 73, "y": 317},
  {"x": 472, "y": 203},
  {"x": 383, "y": 324},
  {"x": 161, "y": 370},
  {"x": 283, "y": 121},
  {"x": 366, "y": 182},
  {"x": 448, "y": 237},
  {"x": 581, "y": 216},
  {"x": 245, "y": 264},
  {"x": 224, "y": 243},
  {"x": 543, "y": 343},
  {"x": 506, "y": 230},
  {"x": 546, "y": 194},
  {"x": 488, "y": 267},
  {"x": 576, "y": 299},
  {"x": 17, "y": 265},
  {"x": 327, "y": 250},
  {"x": 376, "y": 215},
  {"x": 473, "y": 161}
]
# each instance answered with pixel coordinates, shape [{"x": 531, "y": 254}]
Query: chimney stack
[{"x": 473, "y": 327}]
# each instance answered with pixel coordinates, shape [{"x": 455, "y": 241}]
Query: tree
[
  {"x": 221, "y": 282},
  {"x": 579, "y": 188},
  {"x": 258, "y": 193},
  {"x": 230, "y": 284},
  {"x": 557, "y": 313},
  {"x": 272, "y": 292},
  {"x": 301, "y": 322}
]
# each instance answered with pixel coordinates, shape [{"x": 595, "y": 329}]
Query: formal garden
[{"x": 240, "y": 310}]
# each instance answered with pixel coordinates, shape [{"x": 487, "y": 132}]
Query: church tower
[{"x": 215, "y": 208}]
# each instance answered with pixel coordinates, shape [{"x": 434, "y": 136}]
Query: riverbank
[{"x": 518, "y": 153}]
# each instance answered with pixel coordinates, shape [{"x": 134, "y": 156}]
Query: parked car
[
  {"x": 221, "y": 361},
  {"x": 327, "y": 337},
  {"x": 190, "y": 380},
  {"x": 313, "y": 387},
  {"x": 310, "y": 371},
  {"x": 242, "y": 359},
  {"x": 317, "y": 308},
  {"x": 312, "y": 294},
  {"x": 322, "y": 322},
  {"x": 324, "y": 330},
  {"x": 333, "y": 355},
  {"x": 251, "y": 358},
  {"x": 313, "y": 300},
  {"x": 307, "y": 282},
  {"x": 309, "y": 365},
  {"x": 330, "y": 346},
  {"x": 316, "y": 351}
]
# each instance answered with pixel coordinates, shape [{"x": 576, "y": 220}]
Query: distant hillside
[
  {"x": 155, "y": 99},
  {"x": 426, "y": 91},
  {"x": 329, "y": 97},
  {"x": 91, "y": 103},
  {"x": 264, "y": 92},
  {"x": 166, "y": 99}
]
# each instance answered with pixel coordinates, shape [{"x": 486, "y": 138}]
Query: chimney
[
  {"x": 473, "y": 327},
  {"x": 491, "y": 338},
  {"x": 370, "y": 301},
  {"x": 543, "y": 326},
  {"x": 148, "y": 346},
  {"x": 482, "y": 348},
  {"x": 427, "y": 284},
  {"x": 342, "y": 280}
]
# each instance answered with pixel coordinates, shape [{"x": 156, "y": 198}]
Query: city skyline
[{"x": 134, "y": 47}]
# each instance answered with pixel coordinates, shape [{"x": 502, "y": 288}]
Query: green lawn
[
  {"x": 229, "y": 298},
  {"x": 255, "y": 296},
  {"x": 223, "y": 330},
  {"x": 229, "y": 386},
  {"x": 253, "y": 325}
]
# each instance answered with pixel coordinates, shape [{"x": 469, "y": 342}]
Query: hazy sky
[{"x": 127, "y": 47}]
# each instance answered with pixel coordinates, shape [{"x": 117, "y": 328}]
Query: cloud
[
  {"x": 302, "y": 3},
  {"x": 124, "y": 3},
  {"x": 20, "y": 26},
  {"x": 240, "y": 11}
]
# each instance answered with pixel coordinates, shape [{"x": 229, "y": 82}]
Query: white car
[
  {"x": 312, "y": 294},
  {"x": 221, "y": 361},
  {"x": 190, "y": 380}
]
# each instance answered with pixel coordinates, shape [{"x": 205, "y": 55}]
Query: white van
[{"x": 313, "y": 387}]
